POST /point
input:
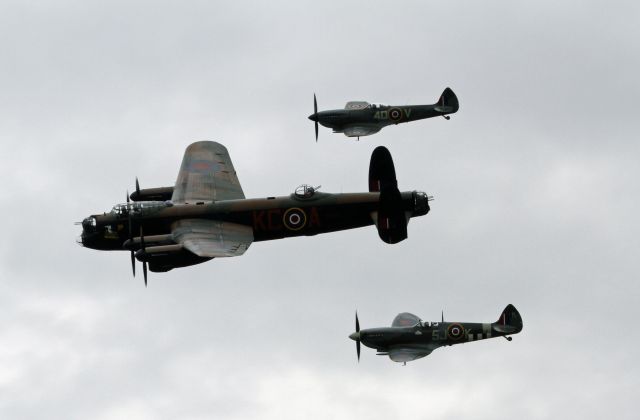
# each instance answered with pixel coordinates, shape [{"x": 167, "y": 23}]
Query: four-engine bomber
[{"x": 208, "y": 216}]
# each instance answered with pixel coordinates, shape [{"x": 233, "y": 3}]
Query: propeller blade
[
  {"x": 315, "y": 112},
  {"x": 133, "y": 263},
  {"x": 137, "y": 188},
  {"x": 144, "y": 270},
  {"x": 133, "y": 258},
  {"x": 144, "y": 262},
  {"x": 358, "y": 336}
]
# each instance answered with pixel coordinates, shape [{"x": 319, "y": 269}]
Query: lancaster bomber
[
  {"x": 409, "y": 338},
  {"x": 206, "y": 215},
  {"x": 359, "y": 118}
]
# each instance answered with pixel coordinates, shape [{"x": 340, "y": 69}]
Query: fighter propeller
[
  {"x": 356, "y": 336},
  {"x": 314, "y": 117}
]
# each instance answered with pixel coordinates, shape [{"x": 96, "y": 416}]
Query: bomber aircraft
[
  {"x": 409, "y": 338},
  {"x": 359, "y": 118},
  {"x": 206, "y": 215}
]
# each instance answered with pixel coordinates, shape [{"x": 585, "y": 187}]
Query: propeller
[
  {"x": 133, "y": 258},
  {"x": 144, "y": 261},
  {"x": 137, "y": 188},
  {"x": 358, "y": 334},
  {"x": 315, "y": 114}
]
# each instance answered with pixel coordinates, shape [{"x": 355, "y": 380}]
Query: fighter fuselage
[
  {"x": 429, "y": 335},
  {"x": 379, "y": 115}
]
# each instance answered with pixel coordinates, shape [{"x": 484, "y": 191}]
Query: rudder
[
  {"x": 510, "y": 317},
  {"x": 391, "y": 220},
  {"x": 448, "y": 102}
]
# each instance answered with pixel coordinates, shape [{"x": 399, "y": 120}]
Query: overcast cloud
[{"x": 535, "y": 179}]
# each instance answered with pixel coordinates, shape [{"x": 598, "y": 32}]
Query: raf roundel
[
  {"x": 294, "y": 219},
  {"x": 455, "y": 331},
  {"x": 395, "y": 114}
]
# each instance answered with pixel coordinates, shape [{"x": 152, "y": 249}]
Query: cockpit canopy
[
  {"x": 405, "y": 319},
  {"x": 305, "y": 191},
  {"x": 357, "y": 105},
  {"x": 139, "y": 208}
]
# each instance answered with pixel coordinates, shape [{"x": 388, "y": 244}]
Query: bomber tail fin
[
  {"x": 510, "y": 321},
  {"x": 448, "y": 102},
  {"x": 390, "y": 220}
]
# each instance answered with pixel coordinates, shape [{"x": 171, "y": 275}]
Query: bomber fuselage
[{"x": 270, "y": 218}]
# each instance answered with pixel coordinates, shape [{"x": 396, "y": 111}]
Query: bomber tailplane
[{"x": 390, "y": 219}]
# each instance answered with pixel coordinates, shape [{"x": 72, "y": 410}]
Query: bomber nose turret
[{"x": 89, "y": 224}]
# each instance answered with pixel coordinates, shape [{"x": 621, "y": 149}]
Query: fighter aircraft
[
  {"x": 359, "y": 118},
  {"x": 206, "y": 215},
  {"x": 409, "y": 338}
]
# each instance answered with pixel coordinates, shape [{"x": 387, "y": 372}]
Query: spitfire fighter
[
  {"x": 206, "y": 215},
  {"x": 359, "y": 119},
  {"x": 409, "y": 338}
]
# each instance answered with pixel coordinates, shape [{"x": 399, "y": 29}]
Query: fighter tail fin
[
  {"x": 448, "y": 102},
  {"x": 510, "y": 321},
  {"x": 391, "y": 220}
]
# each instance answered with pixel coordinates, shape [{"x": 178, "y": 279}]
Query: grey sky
[{"x": 535, "y": 179}]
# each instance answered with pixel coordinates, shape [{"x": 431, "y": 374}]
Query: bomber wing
[
  {"x": 206, "y": 175},
  {"x": 360, "y": 131},
  {"x": 212, "y": 238}
]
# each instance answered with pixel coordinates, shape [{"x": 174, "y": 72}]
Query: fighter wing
[
  {"x": 206, "y": 174},
  {"x": 408, "y": 354},
  {"x": 212, "y": 238},
  {"x": 360, "y": 131}
]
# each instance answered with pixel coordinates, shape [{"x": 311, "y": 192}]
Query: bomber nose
[
  {"x": 355, "y": 336},
  {"x": 89, "y": 224}
]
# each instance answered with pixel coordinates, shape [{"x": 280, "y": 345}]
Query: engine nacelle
[{"x": 152, "y": 194}]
